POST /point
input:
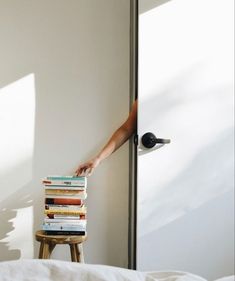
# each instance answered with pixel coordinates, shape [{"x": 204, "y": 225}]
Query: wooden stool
[{"x": 48, "y": 243}]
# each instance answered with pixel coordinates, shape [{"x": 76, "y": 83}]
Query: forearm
[
  {"x": 121, "y": 135},
  {"x": 117, "y": 140}
]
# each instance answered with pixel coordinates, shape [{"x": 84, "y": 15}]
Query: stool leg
[
  {"x": 73, "y": 252},
  {"x": 78, "y": 256},
  {"x": 50, "y": 249},
  {"x": 40, "y": 256},
  {"x": 79, "y": 252},
  {"x": 46, "y": 251}
]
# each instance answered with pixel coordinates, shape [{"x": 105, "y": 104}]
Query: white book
[
  {"x": 64, "y": 228},
  {"x": 64, "y": 207},
  {"x": 75, "y": 196},
  {"x": 57, "y": 224},
  {"x": 68, "y": 217},
  {"x": 67, "y": 221}
]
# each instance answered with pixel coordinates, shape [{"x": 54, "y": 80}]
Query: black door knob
[{"x": 149, "y": 140}]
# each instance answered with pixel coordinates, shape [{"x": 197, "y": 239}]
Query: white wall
[{"x": 64, "y": 89}]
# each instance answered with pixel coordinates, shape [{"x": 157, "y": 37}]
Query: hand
[{"x": 87, "y": 168}]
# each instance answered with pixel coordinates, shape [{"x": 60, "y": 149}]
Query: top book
[{"x": 65, "y": 181}]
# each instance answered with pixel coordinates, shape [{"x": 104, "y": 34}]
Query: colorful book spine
[
  {"x": 65, "y": 192},
  {"x": 61, "y": 212},
  {"x": 64, "y": 201}
]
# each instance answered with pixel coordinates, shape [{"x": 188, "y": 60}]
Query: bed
[{"x": 55, "y": 270}]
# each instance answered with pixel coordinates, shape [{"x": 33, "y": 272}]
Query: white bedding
[{"x": 54, "y": 270}]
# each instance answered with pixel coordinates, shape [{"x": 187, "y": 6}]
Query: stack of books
[{"x": 64, "y": 205}]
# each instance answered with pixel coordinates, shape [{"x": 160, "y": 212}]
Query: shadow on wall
[
  {"x": 211, "y": 252},
  {"x": 146, "y": 5},
  {"x": 190, "y": 216},
  {"x": 208, "y": 176},
  {"x": 17, "y": 216},
  {"x": 198, "y": 164},
  {"x": 17, "y": 118}
]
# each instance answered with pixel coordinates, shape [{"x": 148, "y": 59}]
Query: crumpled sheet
[{"x": 56, "y": 270}]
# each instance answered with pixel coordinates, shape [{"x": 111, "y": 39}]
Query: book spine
[
  {"x": 57, "y": 224},
  {"x": 64, "y": 183},
  {"x": 63, "y": 192},
  {"x": 81, "y": 181},
  {"x": 63, "y": 201},
  {"x": 64, "y": 207},
  {"x": 72, "y": 178},
  {"x": 67, "y": 221},
  {"x": 75, "y": 196},
  {"x": 74, "y": 213},
  {"x": 67, "y": 217},
  {"x": 58, "y": 232},
  {"x": 61, "y": 187},
  {"x": 65, "y": 228}
]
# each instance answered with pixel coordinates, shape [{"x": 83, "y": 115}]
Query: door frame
[{"x": 132, "y": 212}]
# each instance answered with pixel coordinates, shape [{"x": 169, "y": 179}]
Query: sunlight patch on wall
[{"x": 17, "y": 118}]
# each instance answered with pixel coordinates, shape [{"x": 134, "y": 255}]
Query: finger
[
  {"x": 86, "y": 172},
  {"x": 79, "y": 172},
  {"x": 81, "y": 169},
  {"x": 90, "y": 171}
]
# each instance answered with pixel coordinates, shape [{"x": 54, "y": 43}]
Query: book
[
  {"x": 63, "y": 201},
  {"x": 72, "y": 178},
  {"x": 61, "y": 227},
  {"x": 64, "y": 207},
  {"x": 65, "y": 192},
  {"x": 61, "y": 187},
  {"x": 63, "y": 212},
  {"x": 62, "y": 220},
  {"x": 67, "y": 217},
  {"x": 62, "y": 224},
  {"x": 81, "y": 196},
  {"x": 65, "y": 181},
  {"x": 78, "y": 223},
  {"x": 58, "y": 232}
]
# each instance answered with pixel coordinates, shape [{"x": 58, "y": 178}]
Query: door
[{"x": 185, "y": 98}]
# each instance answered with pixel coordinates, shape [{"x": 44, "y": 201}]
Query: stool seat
[{"x": 48, "y": 243}]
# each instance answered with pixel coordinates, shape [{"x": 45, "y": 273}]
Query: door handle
[{"x": 149, "y": 140}]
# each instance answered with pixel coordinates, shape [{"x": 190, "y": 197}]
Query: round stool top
[{"x": 59, "y": 239}]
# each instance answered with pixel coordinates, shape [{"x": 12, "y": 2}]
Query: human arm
[{"x": 119, "y": 137}]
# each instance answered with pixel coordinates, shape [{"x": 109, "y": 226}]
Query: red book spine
[{"x": 63, "y": 201}]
